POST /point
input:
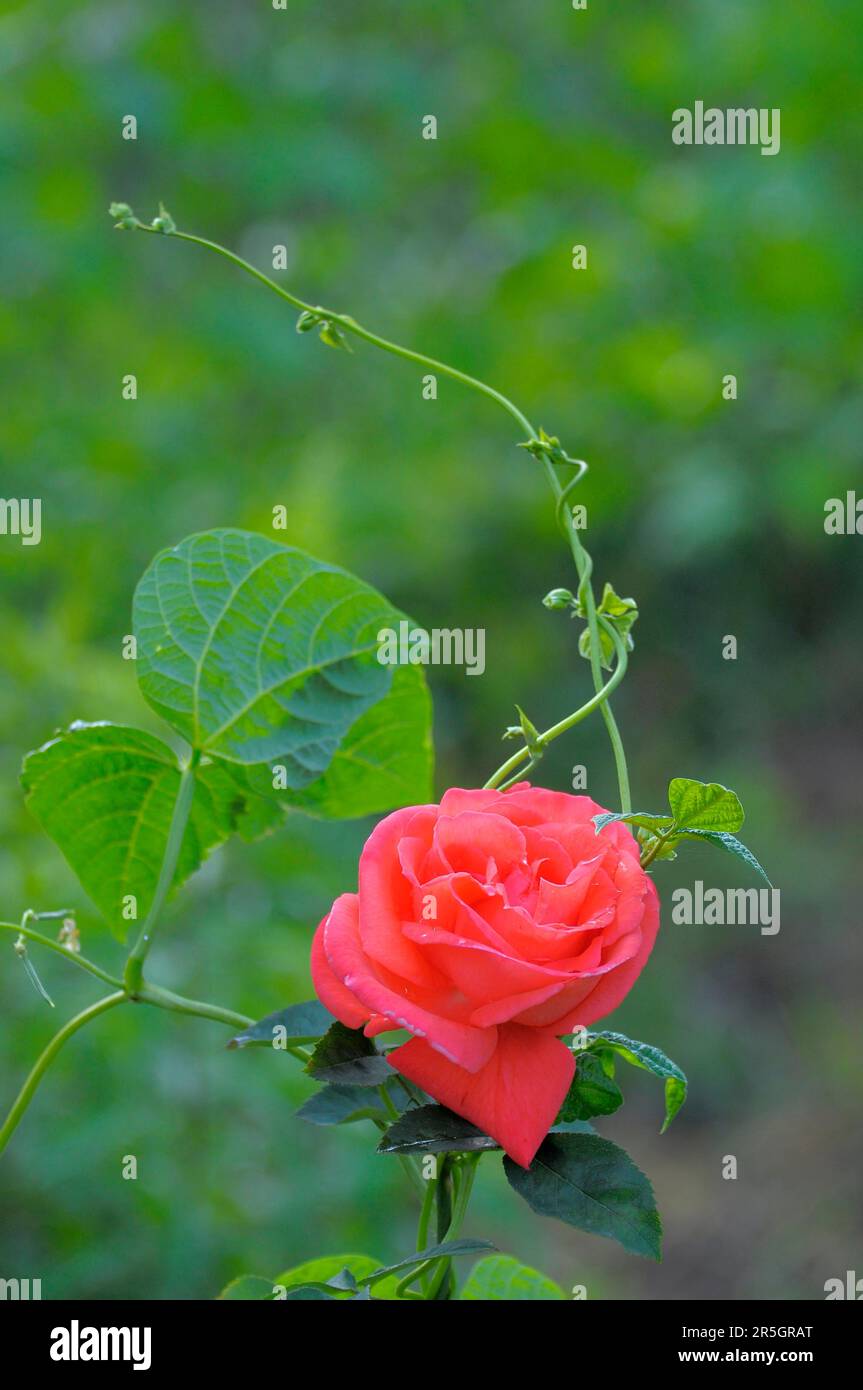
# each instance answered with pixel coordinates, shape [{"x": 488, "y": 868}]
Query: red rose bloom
[{"x": 487, "y": 927}]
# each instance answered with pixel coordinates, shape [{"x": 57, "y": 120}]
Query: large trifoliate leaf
[
  {"x": 264, "y": 657},
  {"x": 256, "y": 652},
  {"x": 105, "y": 794},
  {"x": 384, "y": 761}
]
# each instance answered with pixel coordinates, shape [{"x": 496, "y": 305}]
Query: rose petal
[
  {"x": 386, "y": 898},
  {"x": 562, "y": 902},
  {"x": 543, "y": 944},
  {"x": 504, "y": 1010},
  {"x": 329, "y": 989},
  {"x": 538, "y": 806},
  {"x": 478, "y": 971},
  {"x": 610, "y": 988},
  {"x": 420, "y": 1012},
  {"x": 471, "y": 840},
  {"x": 515, "y": 1097}
]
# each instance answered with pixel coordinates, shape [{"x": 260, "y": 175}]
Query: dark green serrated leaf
[
  {"x": 343, "y": 1105},
  {"x": 729, "y": 843},
  {"x": 572, "y": 1127},
  {"x": 105, "y": 794},
  {"x": 296, "y": 1024},
  {"x": 434, "y": 1129},
  {"x": 591, "y": 1092},
  {"x": 651, "y": 1059},
  {"x": 704, "y": 805},
  {"x": 346, "y": 1057},
  {"x": 590, "y": 1183},
  {"x": 500, "y": 1277}
]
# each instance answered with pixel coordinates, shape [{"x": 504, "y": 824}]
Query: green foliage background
[{"x": 302, "y": 127}]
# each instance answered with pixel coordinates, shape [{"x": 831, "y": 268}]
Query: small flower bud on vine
[
  {"x": 548, "y": 446},
  {"x": 164, "y": 222},
  {"x": 527, "y": 730},
  {"x": 333, "y": 336},
  {"x": 125, "y": 218},
  {"x": 559, "y": 599},
  {"x": 613, "y": 611}
]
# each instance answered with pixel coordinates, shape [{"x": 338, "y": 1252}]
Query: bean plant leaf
[
  {"x": 385, "y": 759},
  {"x": 590, "y": 1183},
  {"x": 592, "y": 1091},
  {"x": 730, "y": 843},
  {"x": 105, "y": 794},
  {"x": 500, "y": 1277},
  {"x": 347, "y": 1057},
  {"x": 328, "y": 1271},
  {"x": 699, "y": 811},
  {"x": 704, "y": 805},
  {"x": 434, "y": 1129},
  {"x": 263, "y": 656},
  {"x": 643, "y": 819},
  {"x": 298, "y": 1023},
  {"x": 649, "y": 1058}
]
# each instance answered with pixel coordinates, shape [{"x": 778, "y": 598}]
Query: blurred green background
[{"x": 302, "y": 127}]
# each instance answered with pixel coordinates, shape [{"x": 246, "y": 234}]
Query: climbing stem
[
  {"x": 408, "y": 1165},
  {"x": 466, "y": 1175},
  {"x": 463, "y": 1170},
  {"x": 652, "y": 851},
  {"x": 147, "y": 994},
  {"x": 134, "y": 973},
  {"x": 178, "y": 1003},
  {"x": 316, "y": 314},
  {"x": 426, "y": 1213},
  {"x": 584, "y": 568},
  {"x": 503, "y": 776},
  {"x": 45, "y": 1059},
  {"x": 350, "y": 325}
]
